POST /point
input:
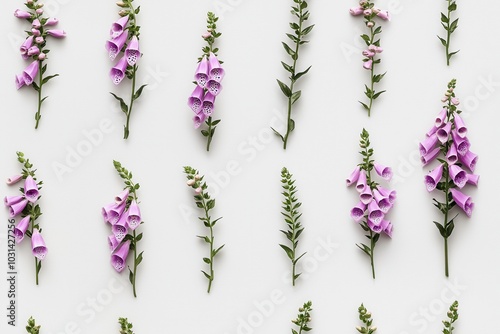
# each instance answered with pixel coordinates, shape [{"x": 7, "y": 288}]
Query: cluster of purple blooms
[
  {"x": 449, "y": 136},
  {"x": 122, "y": 37},
  {"x": 208, "y": 77},
  {"x": 122, "y": 215},
  {"x": 374, "y": 200},
  {"x": 33, "y": 46},
  {"x": 16, "y": 205}
]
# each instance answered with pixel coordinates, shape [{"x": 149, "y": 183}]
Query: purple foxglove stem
[
  {"x": 353, "y": 177},
  {"x": 14, "y": 179},
  {"x": 16, "y": 208},
  {"x": 428, "y": 144},
  {"x": 134, "y": 216},
  {"x": 451, "y": 156},
  {"x": 375, "y": 215},
  {"x": 366, "y": 195},
  {"x": 361, "y": 184},
  {"x": 38, "y": 246},
  {"x": 21, "y": 228},
  {"x": 463, "y": 201},
  {"x": 31, "y": 189},
  {"x": 51, "y": 22},
  {"x": 117, "y": 73},
  {"x": 429, "y": 157},
  {"x": 462, "y": 144},
  {"x": 10, "y": 200},
  {"x": 469, "y": 160},
  {"x": 460, "y": 126},
  {"x": 214, "y": 87},
  {"x": 458, "y": 175},
  {"x": 201, "y": 74},
  {"x": 358, "y": 212},
  {"x": 115, "y": 45},
  {"x": 440, "y": 119},
  {"x": 473, "y": 179},
  {"x": 120, "y": 228},
  {"x": 216, "y": 71},
  {"x": 208, "y": 104},
  {"x": 113, "y": 242},
  {"x": 195, "y": 101},
  {"x": 21, "y": 14},
  {"x": 444, "y": 133},
  {"x": 118, "y": 27},
  {"x": 433, "y": 178},
  {"x": 133, "y": 52},
  {"x": 122, "y": 197},
  {"x": 119, "y": 256},
  {"x": 383, "y": 171},
  {"x": 199, "y": 119},
  {"x": 56, "y": 33}
]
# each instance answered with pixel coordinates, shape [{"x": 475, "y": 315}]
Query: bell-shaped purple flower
[
  {"x": 374, "y": 213},
  {"x": 56, "y": 33},
  {"x": 118, "y": 27},
  {"x": 115, "y": 212},
  {"x": 382, "y": 201},
  {"x": 428, "y": 144},
  {"x": 21, "y": 228},
  {"x": 31, "y": 189},
  {"x": 14, "y": 179},
  {"x": 51, "y": 22},
  {"x": 463, "y": 201},
  {"x": 361, "y": 184},
  {"x": 383, "y": 171},
  {"x": 460, "y": 126},
  {"x": 105, "y": 211},
  {"x": 199, "y": 119},
  {"x": 366, "y": 195},
  {"x": 462, "y": 144},
  {"x": 117, "y": 73},
  {"x": 388, "y": 229},
  {"x": 112, "y": 242},
  {"x": 10, "y": 200},
  {"x": 355, "y": 11},
  {"x": 122, "y": 197},
  {"x": 432, "y": 131},
  {"x": 378, "y": 228},
  {"x": 17, "y": 208},
  {"x": 20, "y": 81},
  {"x": 353, "y": 177},
  {"x": 433, "y": 178},
  {"x": 38, "y": 247},
  {"x": 430, "y": 156},
  {"x": 28, "y": 43},
  {"x": 214, "y": 87},
  {"x": 133, "y": 53},
  {"x": 115, "y": 45},
  {"x": 120, "y": 228},
  {"x": 195, "y": 101},
  {"x": 119, "y": 256},
  {"x": 452, "y": 156},
  {"x": 21, "y": 14},
  {"x": 384, "y": 15},
  {"x": 216, "y": 71},
  {"x": 134, "y": 216},
  {"x": 389, "y": 194},
  {"x": 440, "y": 119},
  {"x": 469, "y": 160},
  {"x": 358, "y": 211},
  {"x": 201, "y": 74},
  {"x": 458, "y": 175},
  {"x": 208, "y": 104},
  {"x": 30, "y": 72},
  {"x": 444, "y": 133},
  {"x": 473, "y": 179}
]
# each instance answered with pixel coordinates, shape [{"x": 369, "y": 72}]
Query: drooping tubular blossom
[
  {"x": 447, "y": 142},
  {"x": 375, "y": 201}
]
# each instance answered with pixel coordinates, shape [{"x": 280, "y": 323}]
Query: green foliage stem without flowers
[
  {"x": 133, "y": 30},
  {"x": 302, "y": 15},
  {"x": 452, "y": 317},
  {"x": 366, "y": 319},
  {"x": 303, "y": 319},
  {"x": 450, "y": 27},
  {"x": 134, "y": 237},
  {"x": 292, "y": 219},
  {"x": 204, "y": 201},
  {"x": 125, "y": 326},
  {"x": 32, "y": 328},
  {"x": 32, "y": 209}
]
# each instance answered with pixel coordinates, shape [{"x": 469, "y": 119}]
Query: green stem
[
  {"x": 372, "y": 71},
  {"x": 38, "y": 114},
  {"x": 446, "y": 223},
  {"x": 127, "y": 127},
  {"x": 294, "y": 249},
  {"x": 210, "y": 137},
  {"x": 207, "y": 216},
  {"x": 372, "y": 249},
  {"x": 448, "y": 36},
  {"x": 135, "y": 265}
]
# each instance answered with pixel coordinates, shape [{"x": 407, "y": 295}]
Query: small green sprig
[
  {"x": 132, "y": 29},
  {"x": 126, "y": 327},
  {"x": 303, "y": 319},
  {"x": 452, "y": 317},
  {"x": 450, "y": 27},
  {"x": 366, "y": 319},
  {"x": 32, "y": 209},
  {"x": 134, "y": 237},
  {"x": 302, "y": 15},
  {"x": 204, "y": 201},
  {"x": 292, "y": 219},
  {"x": 32, "y": 328},
  {"x": 210, "y": 38}
]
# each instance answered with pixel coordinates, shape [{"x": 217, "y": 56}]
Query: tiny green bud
[{"x": 123, "y": 12}]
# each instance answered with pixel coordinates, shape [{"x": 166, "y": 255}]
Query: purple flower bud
[
  {"x": 208, "y": 104},
  {"x": 388, "y": 229},
  {"x": 117, "y": 73},
  {"x": 455, "y": 101},
  {"x": 384, "y": 15},
  {"x": 31, "y": 189},
  {"x": 441, "y": 118},
  {"x": 33, "y": 51},
  {"x": 39, "y": 11},
  {"x": 51, "y": 22},
  {"x": 119, "y": 256},
  {"x": 56, "y": 33},
  {"x": 367, "y": 12},
  {"x": 39, "y": 40},
  {"x": 368, "y": 53},
  {"x": 21, "y": 14},
  {"x": 134, "y": 216},
  {"x": 36, "y": 24},
  {"x": 199, "y": 119},
  {"x": 367, "y": 65},
  {"x": 201, "y": 74},
  {"x": 115, "y": 45},
  {"x": 14, "y": 179},
  {"x": 118, "y": 27},
  {"x": 383, "y": 171},
  {"x": 42, "y": 56},
  {"x": 35, "y": 32},
  {"x": 21, "y": 228},
  {"x": 132, "y": 52},
  {"x": 38, "y": 247},
  {"x": 473, "y": 179},
  {"x": 30, "y": 72},
  {"x": 355, "y": 11},
  {"x": 463, "y": 201},
  {"x": 358, "y": 211},
  {"x": 195, "y": 101},
  {"x": 353, "y": 177}
]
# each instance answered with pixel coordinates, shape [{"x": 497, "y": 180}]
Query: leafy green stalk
[
  {"x": 32, "y": 209},
  {"x": 134, "y": 237},
  {"x": 131, "y": 72},
  {"x": 302, "y": 15},
  {"x": 292, "y": 219},
  {"x": 32, "y": 328},
  {"x": 204, "y": 201},
  {"x": 452, "y": 317},
  {"x": 126, "y": 327},
  {"x": 450, "y": 27},
  {"x": 303, "y": 319},
  {"x": 366, "y": 319},
  {"x": 210, "y": 38}
]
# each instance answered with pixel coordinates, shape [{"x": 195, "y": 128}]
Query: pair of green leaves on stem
[{"x": 449, "y": 26}]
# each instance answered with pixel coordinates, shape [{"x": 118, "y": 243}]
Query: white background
[{"x": 322, "y": 152}]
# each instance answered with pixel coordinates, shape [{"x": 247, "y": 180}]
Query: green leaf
[
  {"x": 296, "y": 96},
  {"x": 452, "y": 54},
  {"x": 307, "y": 30},
  {"x": 278, "y": 134},
  {"x": 131, "y": 276},
  {"x": 444, "y": 18},
  {"x": 123, "y": 105},
  {"x": 288, "y": 251},
  {"x": 215, "y": 252},
  {"x": 364, "y": 105},
  {"x": 300, "y": 74},
  {"x": 206, "y": 275},
  {"x": 291, "y": 125},
  {"x": 450, "y": 228},
  {"x": 207, "y": 260},
  {"x": 287, "y": 67},
  {"x": 284, "y": 88},
  {"x": 453, "y": 26},
  {"x": 376, "y": 95},
  {"x": 443, "y": 41},
  {"x": 452, "y": 7},
  {"x": 288, "y": 49},
  {"x": 139, "y": 259},
  {"x": 46, "y": 79},
  {"x": 139, "y": 92},
  {"x": 441, "y": 229}
]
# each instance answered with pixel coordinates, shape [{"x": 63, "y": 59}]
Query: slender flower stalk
[
  {"x": 124, "y": 216},
  {"x": 32, "y": 328},
  {"x": 125, "y": 326},
  {"x": 208, "y": 78},
  {"x": 303, "y": 319},
  {"x": 299, "y": 10},
  {"x": 452, "y": 318},
  {"x": 35, "y": 49},
  {"x": 366, "y": 319},
  {"x": 204, "y": 201},
  {"x": 450, "y": 26},
  {"x": 372, "y": 41},
  {"x": 375, "y": 201},
  {"x": 27, "y": 207},
  {"x": 292, "y": 217},
  {"x": 125, "y": 35},
  {"x": 448, "y": 137}
]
